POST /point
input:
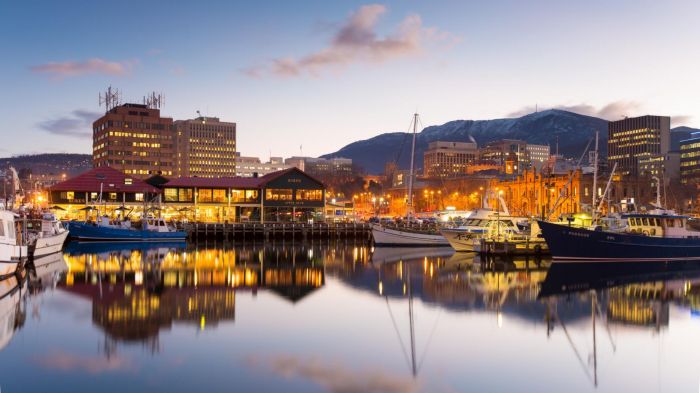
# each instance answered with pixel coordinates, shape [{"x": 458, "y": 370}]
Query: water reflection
[{"x": 422, "y": 303}]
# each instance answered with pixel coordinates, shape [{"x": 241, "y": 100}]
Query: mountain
[
  {"x": 50, "y": 164},
  {"x": 573, "y": 131},
  {"x": 680, "y": 133}
]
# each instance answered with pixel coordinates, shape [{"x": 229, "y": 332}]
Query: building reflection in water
[{"x": 137, "y": 290}]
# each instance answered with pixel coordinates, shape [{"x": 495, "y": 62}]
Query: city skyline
[{"x": 292, "y": 75}]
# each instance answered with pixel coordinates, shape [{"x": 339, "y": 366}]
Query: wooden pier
[{"x": 276, "y": 230}]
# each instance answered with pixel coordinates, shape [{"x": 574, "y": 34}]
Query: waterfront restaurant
[
  {"x": 287, "y": 195},
  {"x": 102, "y": 190}
]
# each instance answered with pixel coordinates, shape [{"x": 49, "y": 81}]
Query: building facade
[
  {"x": 337, "y": 168},
  {"x": 448, "y": 159},
  {"x": 136, "y": 140},
  {"x": 538, "y": 154},
  {"x": 639, "y": 145},
  {"x": 206, "y": 147},
  {"x": 690, "y": 160},
  {"x": 254, "y": 167},
  {"x": 511, "y": 154}
]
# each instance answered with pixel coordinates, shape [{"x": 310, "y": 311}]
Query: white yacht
[
  {"x": 483, "y": 223},
  {"x": 49, "y": 238},
  {"x": 12, "y": 249}
]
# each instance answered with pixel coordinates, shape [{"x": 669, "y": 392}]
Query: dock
[{"x": 276, "y": 230}]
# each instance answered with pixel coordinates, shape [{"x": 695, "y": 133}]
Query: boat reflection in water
[{"x": 138, "y": 289}]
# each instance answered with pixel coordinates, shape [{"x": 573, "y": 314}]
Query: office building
[
  {"x": 690, "y": 160},
  {"x": 254, "y": 167},
  {"x": 136, "y": 140},
  {"x": 323, "y": 168},
  {"x": 639, "y": 145},
  {"x": 206, "y": 147},
  {"x": 511, "y": 154},
  {"x": 448, "y": 159},
  {"x": 538, "y": 154}
]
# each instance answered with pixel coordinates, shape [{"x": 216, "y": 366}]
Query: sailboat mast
[
  {"x": 409, "y": 204},
  {"x": 594, "y": 207}
]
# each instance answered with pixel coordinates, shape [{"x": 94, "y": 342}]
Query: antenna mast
[
  {"x": 109, "y": 99},
  {"x": 153, "y": 100}
]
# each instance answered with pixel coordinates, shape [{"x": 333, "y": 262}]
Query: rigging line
[
  {"x": 403, "y": 142},
  {"x": 430, "y": 338},
  {"x": 578, "y": 355},
  {"x": 607, "y": 327},
  {"x": 571, "y": 178},
  {"x": 398, "y": 333}
]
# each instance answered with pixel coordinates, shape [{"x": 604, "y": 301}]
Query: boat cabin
[
  {"x": 658, "y": 225},
  {"x": 154, "y": 224}
]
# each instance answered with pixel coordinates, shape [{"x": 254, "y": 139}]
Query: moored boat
[
  {"x": 482, "y": 223},
  {"x": 663, "y": 236},
  {"x": 404, "y": 237},
  {"x": 48, "y": 238},
  {"x": 153, "y": 229},
  {"x": 13, "y": 251}
]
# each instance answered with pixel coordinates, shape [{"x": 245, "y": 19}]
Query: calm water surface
[{"x": 344, "y": 318}]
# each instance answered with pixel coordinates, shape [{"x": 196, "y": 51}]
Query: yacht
[
  {"x": 403, "y": 236},
  {"x": 48, "y": 237},
  {"x": 483, "y": 223},
  {"x": 13, "y": 251}
]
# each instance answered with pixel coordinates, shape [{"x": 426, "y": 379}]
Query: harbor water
[{"x": 343, "y": 317}]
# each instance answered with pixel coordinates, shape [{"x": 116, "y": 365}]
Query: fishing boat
[
  {"x": 48, "y": 236},
  {"x": 153, "y": 229},
  {"x": 651, "y": 236},
  {"x": 395, "y": 236},
  {"x": 13, "y": 249}
]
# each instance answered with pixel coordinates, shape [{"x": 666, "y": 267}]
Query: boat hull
[
  {"x": 580, "y": 244},
  {"x": 49, "y": 245},
  {"x": 461, "y": 240},
  {"x": 82, "y": 231},
  {"x": 386, "y": 237}
]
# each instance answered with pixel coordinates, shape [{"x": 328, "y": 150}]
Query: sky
[{"x": 309, "y": 77}]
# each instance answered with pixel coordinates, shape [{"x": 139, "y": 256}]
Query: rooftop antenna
[
  {"x": 199, "y": 116},
  {"x": 109, "y": 99},
  {"x": 153, "y": 100}
]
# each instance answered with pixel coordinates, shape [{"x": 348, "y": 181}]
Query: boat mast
[
  {"x": 594, "y": 208},
  {"x": 409, "y": 202}
]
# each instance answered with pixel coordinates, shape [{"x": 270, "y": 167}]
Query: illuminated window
[
  {"x": 170, "y": 194},
  {"x": 278, "y": 194},
  {"x": 309, "y": 195},
  {"x": 138, "y": 197},
  {"x": 184, "y": 195},
  {"x": 113, "y": 195},
  {"x": 128, "y": 181},
  {"x": 204, "y": 195}
]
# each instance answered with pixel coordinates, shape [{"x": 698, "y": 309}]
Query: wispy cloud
[
  {"x": 60, "y": 70},
  {"x": 64, "y": 361},
  {"x": 612, "y": 111},
  {"x": 335, "y": 378},
  {"x": 356, "y": 41},
  {"x": 77, "y": 124},
  {"x": 680, "y": 120}
]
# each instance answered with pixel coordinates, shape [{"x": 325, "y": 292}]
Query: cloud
[
  {"x": 680, "y": 120},
  {"x": 78, "y": 124},
  {"x": 356, "y": 41},
  {"x": 335, "y": 378},
  {"x": 63, "y": 361},
  {"x": 612, "y": 111},
  {"x": 78, "y": 68}
]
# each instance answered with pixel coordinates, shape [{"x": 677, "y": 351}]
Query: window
[
  {"x": 2, "y": 228},
  {"x": 251, "y": 195},
  {"x": 128, "y": 181},
  {"x": 93, "y": 196},
  {"x": 278, "y": 194},
  {"x": 219, "y": 196},
  {"x": 10, "y": 230},
  {"x": 68, "y": 195},
  {"x": 138, "y": 197},
  {"x": 309, "y": 195},
  {"x": 171, "y": 194},
  {"x": 113, "y": 196},
  {"x": 184, "y": 194},
  {"x": 204, "y": 195}
]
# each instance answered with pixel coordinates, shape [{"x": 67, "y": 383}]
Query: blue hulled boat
[
  {"x": 154, "y": 230},
  {"x": 662, "y": 236}
]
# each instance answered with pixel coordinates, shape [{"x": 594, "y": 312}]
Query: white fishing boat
[
  {"x": 12, "y": 249},
  {"x": 48, "y": 238},
  {"x": 407, "y": 236},
  {"x": 10, "y": 309}
]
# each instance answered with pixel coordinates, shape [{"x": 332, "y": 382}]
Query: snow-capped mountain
[{"x": 573, "y": 132}]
